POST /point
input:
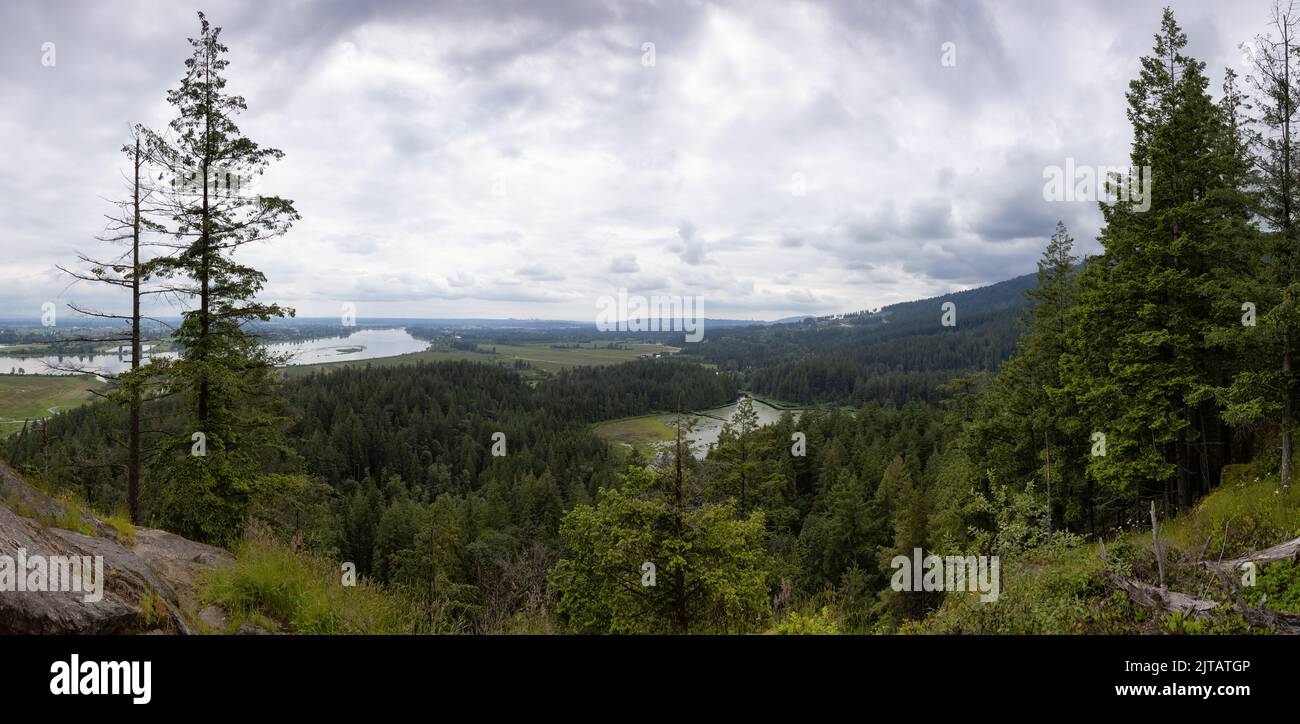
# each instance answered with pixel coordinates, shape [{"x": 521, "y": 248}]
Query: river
[
  {"x": 362, "y": 344},
  {"x": 708, "y": 423}
]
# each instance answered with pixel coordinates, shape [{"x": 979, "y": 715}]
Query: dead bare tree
[{"x": 128, "y": 271}]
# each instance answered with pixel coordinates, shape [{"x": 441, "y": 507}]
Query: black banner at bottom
[{"x": 304, "y": 673}]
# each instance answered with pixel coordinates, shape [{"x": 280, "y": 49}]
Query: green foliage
[
  {"x": 910, "y": 533},
  {"x": 432, "y": 424},
  {"x": 1229, "y": 623},
  {"x": 1019, "y": 520},
  {"x": 857, "y": 601},
  {"x": 709, "y": 574},
  {"x": 742, "y": 455},
  {"x": 72, "y": 520},
  {"x": 153, "y": 608},
  {"x": 1061, "y": 586},
  {"x": 67, "y": 512},
  {"x": 845, "y": 529},
  {"x": 1278, "y": 585},
  {"x": 296, "y": 508},
  {"x": 1122, "y": 556},
  {"x": 204, "y": 500}
]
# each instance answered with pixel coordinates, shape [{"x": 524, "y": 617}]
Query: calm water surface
[{"x": 362, "y": 344}]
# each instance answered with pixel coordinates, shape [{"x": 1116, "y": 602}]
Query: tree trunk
[
  {"x": 1184, "y": 485},
  {"x": 433, "y": 568},
  {"x": 1287, "y": 413},
  {"x": 1287, "y": 236},
  {"x": 205, "y": 265},
  {"x": 1092, "y": 527},
  {"x": 133, "y": 453},
  {"x": 1155, "y": 541},
  {"x": 1047, "y": 447},
  {"x": 679, "y": 576}
]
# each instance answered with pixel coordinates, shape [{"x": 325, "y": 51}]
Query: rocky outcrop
[
  {"x": 182, "y": 563},
  {"x": 148, "y": 585}
]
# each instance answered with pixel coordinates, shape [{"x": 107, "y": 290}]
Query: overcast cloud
[{"x": 522, "y": 159}]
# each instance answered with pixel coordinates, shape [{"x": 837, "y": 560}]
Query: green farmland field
[{"x": 31, "y": 397}]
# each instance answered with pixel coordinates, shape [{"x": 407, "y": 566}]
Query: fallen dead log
[
  {"x": 1290, "y": 550},
  {"x": 1284, "y": 623},
  {"x": 1144, "y": 594},
  {"x": 1152, "y": 597}
]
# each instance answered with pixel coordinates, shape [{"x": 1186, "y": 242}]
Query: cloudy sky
[{"x": 494, "y": 159}]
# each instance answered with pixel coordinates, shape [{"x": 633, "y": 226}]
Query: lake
[{"x": 362, "y": 344}]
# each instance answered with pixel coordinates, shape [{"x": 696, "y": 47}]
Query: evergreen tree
[
  {"x": 222, "y": 369},
  {"x": 1265, "y": 389},
  {"x": 742, "y": 456},
  {"x": 647, "y": 558},
  {"x": 910, "y": 533},
  {"x": 1025, "y": 426},
  {"x": 433, "y": 568},
  {"x": 1152, "y": 296}
]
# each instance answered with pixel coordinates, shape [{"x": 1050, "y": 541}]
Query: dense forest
[{"x": 1057, "y": 410}]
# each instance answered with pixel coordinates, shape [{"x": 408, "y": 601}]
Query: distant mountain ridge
[
  {"x": 983, "y": 300},
  {"x": 900, "y": 353}
]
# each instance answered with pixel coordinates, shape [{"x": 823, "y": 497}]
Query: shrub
[{"x": 815, "y": 624}]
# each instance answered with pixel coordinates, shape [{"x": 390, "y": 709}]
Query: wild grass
[
  {"x": 282, "y": 589},
  {"x": 1247, "y": 512},
  {"x": 120, "y": 522}
]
